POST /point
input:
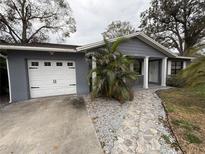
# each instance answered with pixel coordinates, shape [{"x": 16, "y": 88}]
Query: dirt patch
[{"x": 186, "y": 112}]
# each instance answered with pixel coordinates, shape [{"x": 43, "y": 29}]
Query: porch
[{"x": 152, "y": 71}]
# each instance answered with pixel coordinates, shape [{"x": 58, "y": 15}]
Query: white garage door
[{"x": 50, "y": 78}]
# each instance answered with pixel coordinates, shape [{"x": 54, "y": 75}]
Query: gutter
[
  {"x": 29, "y": 48},
  {"x": 8, "y": 74}
]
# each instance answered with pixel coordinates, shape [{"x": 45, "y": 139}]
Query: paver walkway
[{"x": 141, "y": 131}]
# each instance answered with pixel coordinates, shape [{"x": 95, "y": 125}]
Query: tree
[
  {"x": 113, "y": 73},
  {"x": 26, "y": 21},
  {"x": 117, "y": 29},
  {"x": 194, "y": 74},
  {"x": 177, "y": 24}
]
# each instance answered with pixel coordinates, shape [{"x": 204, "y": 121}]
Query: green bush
[
  {"x": 175, "y": 81},
  {"x": 113, "y": 73}
]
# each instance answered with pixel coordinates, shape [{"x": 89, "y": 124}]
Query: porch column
[
  {"x": 146, "y": 65},
  {"x": 184, "y": 64},
  {"x": 93, "y": 74},
  {"x": 169, "y": 67},
  {"x": 164, "y": 71}
]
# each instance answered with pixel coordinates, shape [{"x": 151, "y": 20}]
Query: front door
[{"x": 154, "y": 71}]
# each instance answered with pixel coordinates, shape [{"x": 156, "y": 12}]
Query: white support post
[
  {"x": 164, "y": 72},
  {"x": 132, "y": 67},
  {"x": 169, "y": 67},
  {"x": 146, "y": 67},
  {"x": 184, "y": 64},
  {"x": 93, "y": 74}
]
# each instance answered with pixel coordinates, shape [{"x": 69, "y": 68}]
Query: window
[
  {"x": 59, "y": 64},
  {"x": 69, "y": 64},
  {"x": 176, "y": 67},
  {"x": 138, "y": 67},
  {"x": 47, "y": 63},
  {"x": 34, "y": 63}
]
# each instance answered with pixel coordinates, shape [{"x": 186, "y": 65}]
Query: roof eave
[{"x": 29, "y": 48}]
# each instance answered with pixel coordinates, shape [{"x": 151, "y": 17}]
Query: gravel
[{"x": 107, "y": 116}]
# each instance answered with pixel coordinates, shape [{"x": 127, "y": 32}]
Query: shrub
[
  {"x": 175, "y": 81},
  {"x": 113, "y": 73}
]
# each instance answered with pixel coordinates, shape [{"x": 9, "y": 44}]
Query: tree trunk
[
  {"x": 24, "y": 22},
  {"x": 24, "y": 37}
]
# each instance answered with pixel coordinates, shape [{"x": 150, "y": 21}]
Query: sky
[{"x": 93, "y": 16}]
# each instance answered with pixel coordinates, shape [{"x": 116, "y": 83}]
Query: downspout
[{"x": 8, "y": 74}]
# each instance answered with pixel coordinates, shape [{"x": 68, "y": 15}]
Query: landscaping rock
[
  {"x": 131, "y": 128},
  {"x": 110, "y": 114}
]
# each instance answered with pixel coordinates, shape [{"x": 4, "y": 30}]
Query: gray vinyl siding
[
  {"x": 137, "y": 47},
  {"x": 19, "y": 75}
]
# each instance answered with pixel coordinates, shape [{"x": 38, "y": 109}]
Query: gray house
[{"x": 40, "y": 70}]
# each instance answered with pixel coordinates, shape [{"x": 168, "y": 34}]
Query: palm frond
[
  {"x": 113, "y": 73},
  {"x": 116, "y": 44}
]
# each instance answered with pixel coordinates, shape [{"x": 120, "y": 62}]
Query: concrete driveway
[{"x": 48, "y": 125}]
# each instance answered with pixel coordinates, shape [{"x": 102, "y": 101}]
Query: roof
[
  {"x": 76, "y": 48},
  {"x": 39, "y": 47},
  {"x": 138, "y": 35}
]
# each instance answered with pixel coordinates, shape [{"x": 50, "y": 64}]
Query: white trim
[
  {"x": 183, "y": 57},
  {"x": 146, "y": 71},
  {"x": 164, "y": 71},
  {"x": 8, "y": 74},
  {"x": 169, "y": 66},
  {"x": 29, "y": 48},
  {"x": 94, "y": 65},
  {"x": 184, "y": 64},
  {"x": 132, "y": 66},
  {"x": 3, "y": 56}
]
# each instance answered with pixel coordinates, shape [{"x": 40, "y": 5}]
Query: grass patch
[
  {"x": 185, "y": 124},
  {"x": 170, "y": 108},
  {"x": 192, "y": 138},
  {"x": 186, "y": 111}
]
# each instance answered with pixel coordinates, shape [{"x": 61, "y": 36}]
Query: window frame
[
  {"x": 176, "y": 67},
  {"x": 34, "y": 62},
  {"x": 61, "y": 64},
  {"x": 47, "y": 62},
  {"x": 70, "y": 63}
]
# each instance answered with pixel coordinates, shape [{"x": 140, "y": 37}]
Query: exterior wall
[
  {"x": 137, "y": 47},
  {"x": 19, "y": 75}
]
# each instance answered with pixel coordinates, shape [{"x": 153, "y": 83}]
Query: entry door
[
  {"x": 50, "y": 78},
  {"x": 154, "y": 71}
]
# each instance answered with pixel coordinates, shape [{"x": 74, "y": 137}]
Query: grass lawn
[{"x": 186, "y": 111}]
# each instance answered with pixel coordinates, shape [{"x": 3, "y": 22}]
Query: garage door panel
[
  {"x": 51, "y": 80},
  {"x": 42, "y": 92}
]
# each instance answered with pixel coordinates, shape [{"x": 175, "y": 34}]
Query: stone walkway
[{"x": 142, "y": 130}]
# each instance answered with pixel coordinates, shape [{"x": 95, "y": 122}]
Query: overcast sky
[{"x": 93, "y": 16}]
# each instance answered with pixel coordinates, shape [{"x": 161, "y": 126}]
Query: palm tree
[
  {"x": 113, "y": 73},
  {"x": 194, "y": 74}
]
